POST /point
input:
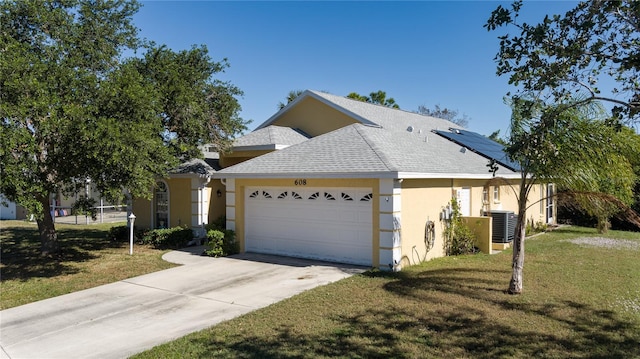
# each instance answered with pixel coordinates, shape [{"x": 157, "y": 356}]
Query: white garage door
[{"x": 332, "y": 224}]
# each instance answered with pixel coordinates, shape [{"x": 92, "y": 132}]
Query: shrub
[
  {"x": 221, "y": 243},
  {"x": 458, "y": 238},
  {"x": 219, "y": 224},
  {"x": 176, "y": 237},
  {"x": 118, "y": 233},
  {"x": 532, "y": 228},
  {"x": 121, "y": 233}
]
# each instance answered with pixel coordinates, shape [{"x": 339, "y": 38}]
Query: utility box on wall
[{"x": 504, "y": 226}]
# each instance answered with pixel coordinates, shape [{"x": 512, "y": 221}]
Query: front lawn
[
  {"x": 87, "y": 259},
  {"x": 581, "y": 300}
]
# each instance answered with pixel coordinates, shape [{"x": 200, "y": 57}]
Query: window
[
  {"x": 485, "y": 195},
  {"x": 161, "y": 199},
  {"x": 496, "y": 193}
]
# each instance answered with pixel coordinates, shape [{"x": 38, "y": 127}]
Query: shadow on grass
[
  {"x": 21, "y": 258},
  {"x": 437, "y": 314},
  {"x": 588, "y": 331}
]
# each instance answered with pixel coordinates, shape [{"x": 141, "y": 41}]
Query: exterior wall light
[{"x": 132, "y": 219}]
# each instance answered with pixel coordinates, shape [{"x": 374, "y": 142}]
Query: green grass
[
  {"x": 87, "y": 259},
  {"x": 579, "y": 302}
]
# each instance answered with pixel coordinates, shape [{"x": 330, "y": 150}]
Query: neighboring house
[
  {"x": 336, "y": 179},
  {"x": 61, "y": 204},
  {"x": 11, "y": 210}
]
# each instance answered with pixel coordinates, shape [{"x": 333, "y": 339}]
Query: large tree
[
  {"x": 378, "y": 98},
  {"x": 445, "y": 113},
  {"x": 557, "y": 66},
  {"x": 73, "y": 108}
]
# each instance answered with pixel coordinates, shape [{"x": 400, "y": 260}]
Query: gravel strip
[{"x": 606, "y": 243}]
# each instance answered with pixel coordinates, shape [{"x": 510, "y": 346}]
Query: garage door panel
[
  {"x": 328, "y": 224},
  {"x": 314, "y": 246}
]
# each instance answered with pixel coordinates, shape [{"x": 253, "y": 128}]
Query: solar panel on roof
[{"x": 481, "y": 145}]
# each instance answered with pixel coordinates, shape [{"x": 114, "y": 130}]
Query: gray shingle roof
[
  {"x": 359, "y": 150},
  {"x": 386, "y": 143},
  {"x": 196, "y": 166},
  {"x": 270, "y": 136}
]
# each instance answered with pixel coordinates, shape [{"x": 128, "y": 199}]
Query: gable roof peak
[{"x": 366, "y": 113}]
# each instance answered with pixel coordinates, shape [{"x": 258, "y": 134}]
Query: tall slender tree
[
  {"x": 574, "y": 148},
  {"x": 556, "y": 66}
]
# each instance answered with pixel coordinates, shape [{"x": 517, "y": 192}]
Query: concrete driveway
[{"x": 123, "y": 318}]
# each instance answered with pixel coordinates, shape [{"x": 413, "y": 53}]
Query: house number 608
[{"x": 300, "y": 182}]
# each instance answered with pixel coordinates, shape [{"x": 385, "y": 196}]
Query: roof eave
[
  {"x": 390, "y": 174},
  {"x": 259, "y": 147},
  {"x": 191, "y": 175},
  {"x": 336, "y": 175}
]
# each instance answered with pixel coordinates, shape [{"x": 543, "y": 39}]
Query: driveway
[{"x": 123, "y": 318}]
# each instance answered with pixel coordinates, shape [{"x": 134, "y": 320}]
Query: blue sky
[{"x": 420, "y": 53}]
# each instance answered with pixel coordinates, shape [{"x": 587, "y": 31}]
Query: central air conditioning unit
[{"x": 504, "y": 226}]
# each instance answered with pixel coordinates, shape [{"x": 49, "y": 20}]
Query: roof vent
[{"x": 410, "y": 128}]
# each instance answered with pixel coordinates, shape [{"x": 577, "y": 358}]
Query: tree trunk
[
  {"x": 517, "y": 264},
  {"x": 48, "y": 236},
  {"x": 603, "y": 224}
]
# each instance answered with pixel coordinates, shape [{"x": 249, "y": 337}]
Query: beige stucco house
[{"x": 336, "y": 179}]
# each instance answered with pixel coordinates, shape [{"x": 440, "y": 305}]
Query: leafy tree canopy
[
  {"x": 293, "y": 94},
  {"x": 571, "y": 55},
  {"x": 73, "y": 107},
  {"x": 495, "y": 136},
  {"x": 574, "y": 147},
  {"x": 378, "y": 98},
  {"x": 445, "y": 113}
]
